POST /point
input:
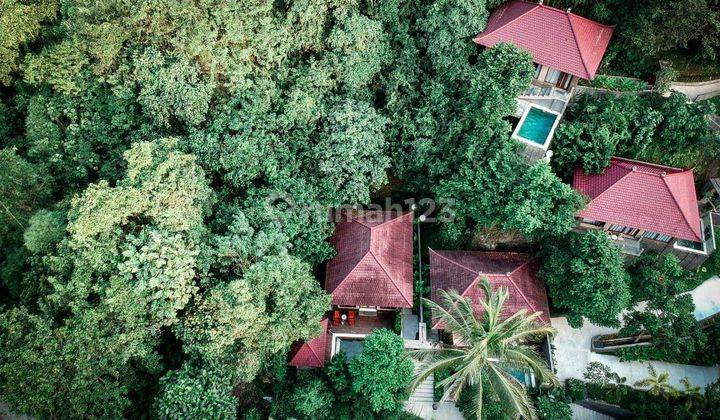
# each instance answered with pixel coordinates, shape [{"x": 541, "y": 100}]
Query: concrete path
[
  {"x": 698, "y": 91},
  {"x": 444, "y": 411},
  {"x": 572, "y": 354},
  {"x": 707, "y": 298},
  {"x": 572, "y": 346}
]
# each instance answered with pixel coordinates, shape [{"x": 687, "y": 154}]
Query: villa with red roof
[
  {"x": 370, "y": 279},
  {"x": 565, "y": 48},
  {"x": 462, "y": 270},
  {"x": 647, "y": 207}
]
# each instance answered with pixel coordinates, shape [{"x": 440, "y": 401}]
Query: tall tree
[{"x": 586, "y": 276}]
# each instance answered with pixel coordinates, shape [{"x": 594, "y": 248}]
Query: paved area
[
  {"x": 698, "y": 91},
  {"x": 444, "y": 411},
  {"x": 572, "y": 346}
]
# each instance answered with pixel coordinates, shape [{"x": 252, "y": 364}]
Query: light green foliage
[
  {"x": 551, "y": 407},
  {"x": 244, "y": 322},
  {"x": 359, "y": 50},
  {"x": 382, "y": 371},
  {"x": 172, "y": 87},
  {"x": 198, "y": 393},
  {"x": 23, "y": 188},
  {"x": 45, "y": 229},
  {"x": 350, "y": 154},
  {"x": 20, "y": 23},
  {"x": 586, "y": 276}
]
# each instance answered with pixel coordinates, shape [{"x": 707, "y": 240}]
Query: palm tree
[
  {"x": 491, "y": 346},
  {"x": 658, "y": 385}
]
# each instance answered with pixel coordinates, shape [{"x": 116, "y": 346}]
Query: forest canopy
[{"x": 167, "y": 168}]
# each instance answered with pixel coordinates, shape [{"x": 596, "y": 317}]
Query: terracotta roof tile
[
  {"x": 461, "y": 270},
  {"x": 312, "y": 353},
  {"x": 373, "y": 265},
  {"x": 644, "y": 196},
  {"x": 555, "y": 38}
]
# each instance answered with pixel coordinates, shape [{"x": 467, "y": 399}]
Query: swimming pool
[
  {"x": 351, "y": 346},
  {"x": 536, "y": 126}
]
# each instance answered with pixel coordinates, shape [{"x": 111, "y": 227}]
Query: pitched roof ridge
[
  {"x": 681, "y": 208},
  {"x": 629, "y": 171},
  {"x": 399, "y": 216},
  {"x": 577, "y": 44},
  {"x": 389, "y": 276},
  {"x": 509, "y": 276},
  {"x": 484, "y": 33},
  {"x": 655, "y": 165},
  {"x": 356, "y": 264}
]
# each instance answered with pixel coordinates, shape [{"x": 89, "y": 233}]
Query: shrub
[
  {"x": 553, "y": 408},
  {"x": 618, "y": 83},
  {"x": 575, "y": 389}
]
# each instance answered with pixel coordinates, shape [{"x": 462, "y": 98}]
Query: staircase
[{"x": 424, "y": 392}]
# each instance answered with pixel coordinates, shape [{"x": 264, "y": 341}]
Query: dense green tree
[
  {"x": 244, "y": 322},
  {"x": 21, "y": 22},
  {"x": 652, "y": 275},
  {"x": 598, "y": 128},
  {"x": 193, "y": 392},
  {"x": 23, "y": 189},
  {"x": 382, "y": 372},
  {"x": 585, "y": 275},
  {"x": 669, "y": 319},
  {"x": 667, "y": 131}
]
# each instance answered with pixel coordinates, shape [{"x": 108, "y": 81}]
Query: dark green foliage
[
  {"x": 23, "y": 188},
  {"x": 651, "y": 128},
  {"x": 575, "y": 389},
  {"x": 585, "y": 275},
  {"x": 551, "y": 407},
  {"x": 372, "y": 386},
  {"x": 676, "y": 335},
  {"x": 382, "y": 372},
  {"x": 648, "y": 30},
  {"x": 653, "y": 275},
  {"x": 644, "y": 405}
]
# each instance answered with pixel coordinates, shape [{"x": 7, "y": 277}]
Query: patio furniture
[
  {"x": 336, "y": 317},
  {"x": 351, "y": 318}
]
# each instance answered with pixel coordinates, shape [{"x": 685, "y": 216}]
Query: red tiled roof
[
  {"x": 643, "y": 196},
  {"x": 312, "y": 353},
  {"x": 461, "y": 271},
  {"x": 555, "y": 38},
  {"x": 373, "y": 265}
]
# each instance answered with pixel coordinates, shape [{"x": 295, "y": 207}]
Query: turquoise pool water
[{"x": 537, "y": 125}]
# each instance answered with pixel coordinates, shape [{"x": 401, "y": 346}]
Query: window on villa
[
  {"x": 623, "y": 229},
  {"x": 552, "y": 76},
  {"x": 564, "y": 82},
  {"x": 538, "y": 67},
  {"x": 657, "y": 236}
]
